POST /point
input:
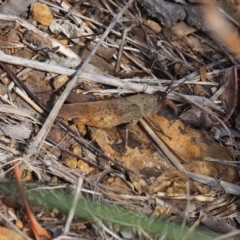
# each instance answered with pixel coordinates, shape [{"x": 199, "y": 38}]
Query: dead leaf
[
  {"x": 229, "y": 96},
  {"x": 197, "y": 117},
  {"x": 15, "y": 131}
]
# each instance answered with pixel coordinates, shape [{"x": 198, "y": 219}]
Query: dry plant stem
[
  {"x": 199, "y": 198},
  {"x": 118, "y": 5},
  {"x": 107, "y": 80},
  {"x": 186, "y": 213},
  {"x": 193, "y": 58},
  {"x": 119, "y": 83},
  {"x": 66, "y": 9},
  {"x": 91, "y": 77},
  {"x": 68, "y": 238},
  {"x": 138, "y": 64},
  {"x": 9, "y": 149},
  {"x": 121, "y": 49},
  {"x": 57, "y": 171},
  {"x": 75, "y": 155},
  {"x": 73, "y": 207},
  {"x": 214, "y": 183},
  {"x": 108, "y": 8},
  {"x": 221, "y": 202},
  {"x": 28, "y": 100},
  {"x": 39, "y": 232},
  {"x": 19, "y": 91},
  {"x": 216, "y": 95},
  {"x": 101, "y": 79},
  {"x": 47, "y": 125},
  {"x": 174, "y": 160},
  {"x": 70, "y": 10},
  {"x": 222, "y": 161},
  {"x": 22, "y": 72}
]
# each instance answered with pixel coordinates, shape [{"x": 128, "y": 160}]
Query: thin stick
[
  {"x": 121, "y": 49},
  {"x": 162, "y": 146},
  {"x": 99, "y": 78},
  {"x": 73, "y": 207}
]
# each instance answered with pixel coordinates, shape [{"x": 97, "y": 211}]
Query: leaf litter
[{"x": 124, "y": 101}]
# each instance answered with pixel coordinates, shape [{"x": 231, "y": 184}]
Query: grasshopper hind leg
[
  {"x": 125, "y": 136},
  {"x": 128, "y": 127}
]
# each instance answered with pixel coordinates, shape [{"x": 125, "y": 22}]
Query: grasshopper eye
[{"x": 161, "y": 96}]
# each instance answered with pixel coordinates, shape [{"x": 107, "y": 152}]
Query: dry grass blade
[{"x": 74, "y": 205}]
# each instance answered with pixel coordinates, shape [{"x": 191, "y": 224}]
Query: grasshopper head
[{"x": 161, "y": 96}]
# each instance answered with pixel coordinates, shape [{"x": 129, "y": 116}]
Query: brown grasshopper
[{"x": 113, "y": 112}]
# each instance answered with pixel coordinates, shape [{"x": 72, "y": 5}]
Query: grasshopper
[{"x": 113, "y": 112}]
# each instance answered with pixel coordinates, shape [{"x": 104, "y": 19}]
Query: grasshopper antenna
[{"x": 162, "y": 95}]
